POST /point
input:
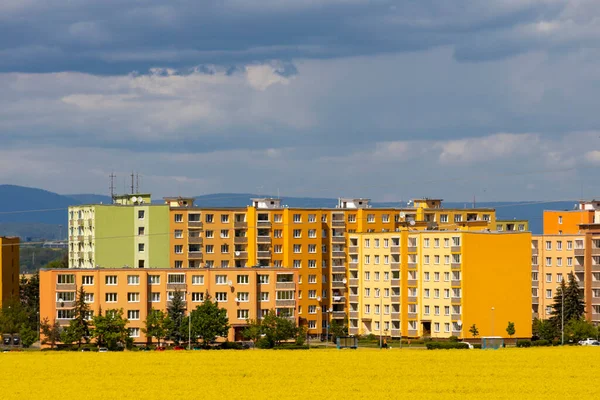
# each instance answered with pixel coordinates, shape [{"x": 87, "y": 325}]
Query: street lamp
[
  {"x": 190, "y": 330},
  {"x": 562, "y": 317}
]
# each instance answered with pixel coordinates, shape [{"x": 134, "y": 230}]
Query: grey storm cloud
[{"x": 118, "y": 36}]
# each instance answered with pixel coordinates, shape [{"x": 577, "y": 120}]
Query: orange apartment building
[
  {"x": 9, "y": 268},
  {"x": 247, "y": 293}
]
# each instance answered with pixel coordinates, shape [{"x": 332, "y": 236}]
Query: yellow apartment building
[
  {"x": 438, "y": 283},
  {"x": 9, "y": 268},
  {"x": 247, "y": 293}
]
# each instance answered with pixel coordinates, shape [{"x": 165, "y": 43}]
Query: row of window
[{"x": 88, "y": 280}]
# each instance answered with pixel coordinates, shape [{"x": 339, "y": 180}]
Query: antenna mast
[
  {"x": 112, "y": 177},
  {"x": 137, "y": 182},
  {"x": 132, "y": 176}
]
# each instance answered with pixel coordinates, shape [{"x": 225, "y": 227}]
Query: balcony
[
  {"x": 353, "y": 298},
  {"x": 455, "y": 249},
  {"x": 338, "y": 314},
  {"x": 455, "y": 283},
  {"x": 80, "y": 238},
  {"x": 195, "y": 224},
  {"x": 412, "y": 249},
  {"x": 353, "y": 265},
  {"x": 455, "y": 265},
  {"x": 395, "y": 249},
  {"x": 412, "y": 299},
  {"x": 338, "y": 222},
  {"x": 285, "y": 285},
  {"x": 395, "y": 282},
  {"x": 353, "y": 315},
  {"x": 535, "y": 268},
  {"x": 535, "y": 300},
  {"x": 395, "y": 332},
  {"x": 338, "y": 239},
  {"x": 595, "y": 317},
  {"x": 595, "y": 251},
  {"x": 66, "y": 287},
  {"x": 263, "y": 224},
  {"x": 341, "y": 269},
  {"x": 240, "y": 255},
  {"x": 413, "y": 333},
  {"x": 338, "y": 299},
  {"x": 353, "y": 330},
  {"x": 596, "y": 268},
  {"x": 65, "y": 304},
  {"x": 353, "y": 250},
  {"x": 395, "y": 266},
  {"x": 263, "y": 254},
  {"x": 534, "y": 252},
  {"x": 456, "y": 332},
  {"x": 263, "y": 239},
  {"x": 338, "y": 254},
  {"x": 456, "y": 300},
  {"x": 338, "y": 284},
  {"x": 395, "y": 299},
  {"x": 412, "y": 316},
  {"x": 240, "y": 224},
  {"x": 412, "y": 265},
  {"x": 176, "y": 286},
  {"x": 395, "y": 316},
  {"x": 353, "y": 282},
  {"x": 595, "y": 284},
  {"x": 579, "y": 252},
  {"x": 535, "y": 283},
  {"x": 194, "y": 240},
  {"x": 285, "y": 303},
  {"x": 412, "y": 282},
  {"x": 456, "y": 317},
  {"x": 240, "y": 240},
  {"x": 195, "y": 255},
  {"x": 579, "y": 268}
]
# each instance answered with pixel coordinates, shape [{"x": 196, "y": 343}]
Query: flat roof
[{"x": 174, "y": 270}]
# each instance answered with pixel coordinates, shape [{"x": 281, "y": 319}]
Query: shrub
[
  {"x": 541, "y": 343},
  {"x": 232, "y": 346},
  {"x": 446, "y": 345},
  {"x": 523, "y": 343},
  {"x": 264, "y": 343},
  {"x": 556, "y": 342},
  {"x": 291, "y": 346},
  {"x": 412, "y": 341},
  {"x": 477, "y": 346},
  {"x": 453, "y": 339}
]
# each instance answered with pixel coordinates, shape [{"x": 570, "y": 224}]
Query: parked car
[
  {"x": 102, "y": 350},
  {"x": 159, "y": 348},
  {"x": 178, "y": 348},
  {"x": 589, "y": 342}
]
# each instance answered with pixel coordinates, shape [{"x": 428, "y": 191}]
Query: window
[
  {"x": 367, "y": 259},
  {"x": 224, "y": 233},
  {"x": 312, "y": 279},
  {"x": 65, "y": 279},
  {"x": 446, "y": 276},
  {"x": 87, "y": 280},
  {"x": 224, "y": 248},
  {"x": 436, "y": 310},
  {"x": 560, "y": 219},
  {"x": 367, "y": 292},
  {"x": 351, "y": 218},
  {"x": 297, "y": 233},
  {"x": 89, "y": 298},
  {"x": 367, "y": 275},
  {"x": 385, "y": 218},
  {"x": 426, "y": 242},
  {"x": 178, "y": 264},
  {"x": 176, "y": 278},
  {"x": 197, "y": 279},
  {"x": 224, "y": 218},
  {"x": 297, "y": 248},
  {"x": 64, "y": 314},
  {"x": 133, "y": 314},
  {"x": 155, "y": 297},
  {"x": 436, "y": 259},
  {"x": 436, "y": 243},
  {"x": 377, "y": 275},
  {"x": 559, "y": 278},
  {"x": 367, "y": 243},
  {"x": 559, "y": 245},
  {"x": 264, "y": 296},
  {"x": 436, "y": 293},
  {"x": 242, "y": 314},
  {"x": 297, "y": 218},
  {"x": 243, "y": 279},
  {"x": 111, "y": 297},
  {"x": 209, "y": 234},
  {"x": 278, "y": 218},
  {"x": 111, "y": 279},
  {"x": 534, "y": 276},
  {"x": 426, "y": 259},
  {"x": 312, "y": 294},
  {"x": 278, "y": 233},
  {"x": 370, "y": 218},
  {"x": 297, "y": 263},
  {"x": 134, "y": 332},
  {"x": 221, "y": 297},
  {"x": 178, "y": 234},
  {"x": 210, "y": 218},
  {"x": 446, "y": 293},
  {"x": 458, "y": 218},
  {"x": 436, "y": 276},
  {"x": 133, "y": 279},
  {"x": 426, "y": 276},
  {"x": 548, "y": 278},
  {"x": 569, "y": 261},
  {"x": 154, "y": 279},
  {"x": 376, "y": 260},
  {"x": 559, "y": 261},
  {"x": 386, "y": 276},
  {"x": 178, "y": 217},
  {"x": 569, "y": 245},
  {"x": 426, "y": 293},
  {"x": 312, "y": 233},
  {"x": 443, "y": 218},
  {"x": 221, "y": 279},
  {"x": 141, "y": 231},
  {"x": 548, "y": 245},
  {"x": 133, "y": 297},
  {"x": 243, "y": 297},
  {"x": 446, "y": 310},
  {"x": 548, "y": 293},
  {"x": 548, "y": 261},
  {"x": 386, "y": 243},
  {"x": 263, "y": 279},
  {"x": 367, "y": 309},
  {"x": 178, "y": 249},
  {"x": 141, "y": 214},
  {"x": 312, "y": 248},
  {"x": 426, "y": 310},
  {"x": 312, "y": 218}
]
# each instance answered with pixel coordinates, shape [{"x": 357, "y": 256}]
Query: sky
[{"x": 390, "y": 100}]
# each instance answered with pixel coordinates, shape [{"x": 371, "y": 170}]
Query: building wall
[
  {"x": 9, "y": 268},
  {"x": 519, "y": 225},
  {"x": 51, "y": 291},
  {"x": 566, "y": 222},
  {"x": 496, "y": 272},
  {"x": 114, "y": 236}
]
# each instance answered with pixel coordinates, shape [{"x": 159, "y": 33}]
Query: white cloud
[{"x": 260, "y": 77}]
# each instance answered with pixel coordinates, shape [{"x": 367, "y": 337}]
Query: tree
[
  {"x": 277, "y": 328},
  {"x": 510, "y": 329},
  {"x": 546, "y": 330},
  {"x": 28, "y": 335},
  {"x": 574, "y": 307},
  {"x": 208, "y": 322},
  {"x": 253, "y": 330},
  {"x": 578, "y": 329},
  {"x": 474, "y": 331},
  {"x": 337, "y": 329},
  {"x": 79, "y": 327},
  {"x": 155, "y": 325},
  {"x": 29, "y": 294},
  {"x": 110, "y": 329},
  {"x": 12, "y": 316},
  {"x": 175, "y": 316},
  {"x": 557, "y": 305},
  {"x": 51, "y": 332}
]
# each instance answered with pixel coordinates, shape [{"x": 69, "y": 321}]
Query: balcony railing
[
  {"x": 353, "y": 330},
  {"x": 595, "y": 251},
  {"x": 263, "y": 239},
  {"x": 338, "y": 314},
  {"x": 395, "y": 249},
  {"x": 353, "y": 265},
  {"x": 412, "y": 299},
  {"x": 195, "y": 255},
  {"x": 65, "y": 304},
  {"x": 338, "y": 299},
  {"x": 534, "y": 252},
  {"x": 240, "y": 240},
  {"x": 338, "y": 239},
  {"x": 353, "y": 249},
  {"x": 395, "y": 298},
  {"x": 413, "y": 333},
  {"x": 395, "y": 282},
  {"x": 411, "y": 282},
  {"x": 456, "y": 317},
  {"x": 241, "y": 255},
  {"x": 412, "y": 249},
  {"x": 395, "y": 332},
  {"x": 595, "y": 284},
  {"x": 170, "y": 302},
  {"x": 353, "y": 315},
  {"x": 455, "y": 265},
  {"x": 240, "y": 224},
  {"x": 66, "y": 286},
  {"x": 456, "y": 300},
  {"x": 395, "y": 266},
  {"x": 455, "y": 282},
  {"x": 285, "y": 285},
  {"x": 176, "y": 286},
  {"x": 338, "y": 284},
  {"x": 285, "y": 303},
  {"x": 353, "y": 282},
  {"x": 195, "y": 240},
  {"x": 579, "y": 252},
  {"x": 579, "y": 268},
  {"x": 338, "y": 254},
  {"x": 338, "y": 268},
  {"x": 263, "y": 254},
  {"x": 395, "y": 315},
  {"x": 535, "y": 283},
  {"x": 353, "y": 298},
  {"x": 263, "y": 224},
  {"x": 535, "y": 300},
  {"x": 412, "y": 265},
  {"x": 195, "y": 224},
  {"x": 412, "y": 315},
  {"x": 455, "y": 249},
  {"x": 535, "y": 268},
  {"x": 338, "y": 222}
]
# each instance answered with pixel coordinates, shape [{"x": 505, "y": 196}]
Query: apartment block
[
  {"x": 132, "y": 232},
  {"x": 9, "y": 268},
  {"x": 438, "y": 283},
  {"x": 247, "y": 293},
  {"x": 513, "y": 225}
]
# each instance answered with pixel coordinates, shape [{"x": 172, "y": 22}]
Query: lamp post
[
  {"x": 562, "y": 317},
  {"x": 325, "y": 311},
  {"x": 190, "y": 330},
  {"x": 380, "y": 321}
]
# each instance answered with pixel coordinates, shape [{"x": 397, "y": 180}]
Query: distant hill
[{"x": 37, "y": 213}]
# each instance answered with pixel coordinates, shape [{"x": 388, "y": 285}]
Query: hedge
[
  {"x": 523, "y": 343},
  {"x": 446, "y": 345}
]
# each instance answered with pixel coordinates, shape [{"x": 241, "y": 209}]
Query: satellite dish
[
  {"x": 230, "y": 283},
  {"x": 134, "y": 199},
  {"x": 344, "y": 280},
  {"x": 237, "y": 300},
  {"x": 402, "y": 215},
  {"x": 237, "y": 253},
  {"x": 140, "y": 200},
  {"x": 412, "y": 223},
  {"x": 318, "y": 298},
  {"x": 459, "y": 322}
]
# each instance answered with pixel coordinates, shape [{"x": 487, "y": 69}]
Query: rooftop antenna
[
  {"x": 132, "y": 176},
  {"x": 137, "y": 182},
  {"x": 112, "y": 177}
]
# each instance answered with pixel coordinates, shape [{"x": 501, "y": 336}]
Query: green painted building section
[{"x": 159, "y": 237}]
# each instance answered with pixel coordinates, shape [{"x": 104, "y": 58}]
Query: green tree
[
  {"x": 574, "y": 307},
  {"x": 474, "y": 331},
  {"x": 579, "y": 329},
  {"x": 546, "y": 330},
  {"x": 28, "y": 335},
  {"x": 110, "y": 329},
  {"x": 155, "y": 326},
  {"x": 208, "y": 322},
  {"x": 174, "y": 323},
  {"x": 337, "y": 329},
  {"x": 51, "y": 332},
  {"x": 510, "y": 329},
  {"x": 12, "y": 316},
  {"x": 253, "y": 330},
  {"x": 29, "y": 294},
  {"x": 79, "y": 327},
  {"x": 278, "y": 328}
]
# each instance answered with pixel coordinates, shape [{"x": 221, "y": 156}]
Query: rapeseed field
[{"x": 533, "y": 373}]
